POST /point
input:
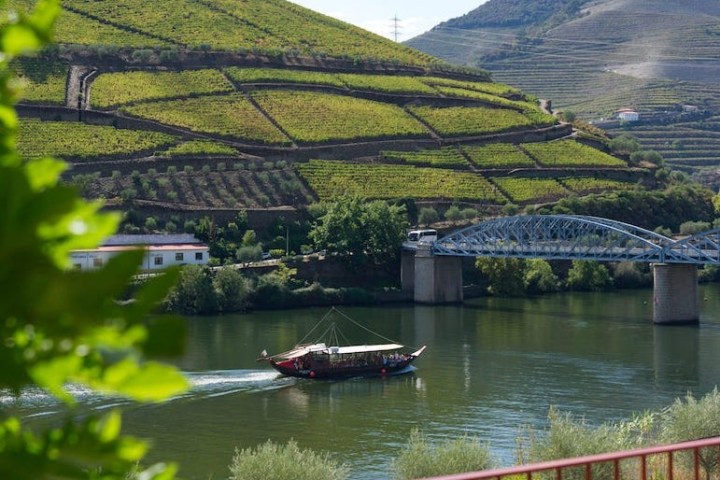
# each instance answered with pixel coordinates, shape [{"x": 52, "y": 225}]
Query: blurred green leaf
[
  {"x": 148, "y": 382},
  {"x": 60, "y": 326},
  {"x": 19, "y": 38}
]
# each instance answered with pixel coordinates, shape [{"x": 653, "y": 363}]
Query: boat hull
[{"x": 289, "y": 368}]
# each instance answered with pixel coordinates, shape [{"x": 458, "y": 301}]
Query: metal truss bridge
[{"x": 572, "y": 237}]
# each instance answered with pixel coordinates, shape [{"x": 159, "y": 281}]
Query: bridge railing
[{"x": 682, "y": 461}]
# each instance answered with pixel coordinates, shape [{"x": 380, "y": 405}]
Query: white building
[
  {"x": 160, "y": 251},
  {"x": 628, "y": 115}
]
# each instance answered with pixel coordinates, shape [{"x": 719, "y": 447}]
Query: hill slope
[
  {"x": 215, "y": 106},
  {"x": 595, "y": 57}
]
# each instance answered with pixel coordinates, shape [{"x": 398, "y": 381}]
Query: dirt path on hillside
[{"x": 72, "y": 94}]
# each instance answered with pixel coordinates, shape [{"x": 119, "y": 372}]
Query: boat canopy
[{"x": 321, "y": 348}]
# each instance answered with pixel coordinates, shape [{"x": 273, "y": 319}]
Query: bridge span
[{"x": 433, "y": 270}]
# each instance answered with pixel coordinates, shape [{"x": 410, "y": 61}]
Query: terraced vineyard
[
  {"x": 530, "y": 190},
  {"x": 227, "y": 116},
  {"x": 236, "y": 187},
  {"x": 691, "y": 147},
  {"x": 569, "y": 153},
  {"x": 311, "y": 117},
  {"x": 467, "y": 121},
  {"x": 200, "y": 147},
  {"x": 114, "y": 89},
  {"x": 74, "y": 140},
  {"x": 277, "y": 75},
  {"x": 43, "y": 81},
  {"x": 330, "y": 179},
  {"x": 498, "y": 155},
  {"x": 586, "y": 185},
  {"x": 207, "y": 105},
  {"x": 256, "y": 26},
  {"x": 448, "y": 157}
]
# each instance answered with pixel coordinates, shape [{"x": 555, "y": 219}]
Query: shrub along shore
[{"x": 564, "y": 436}]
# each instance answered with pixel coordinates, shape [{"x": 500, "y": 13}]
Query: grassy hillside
[
  {"x": 217, "y": 105},
  {"x": 597, "y": 57}
]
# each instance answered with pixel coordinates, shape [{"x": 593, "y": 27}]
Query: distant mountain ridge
[
  {"x": 513, "y": 13},
  {"x": 594, "y": 57}
]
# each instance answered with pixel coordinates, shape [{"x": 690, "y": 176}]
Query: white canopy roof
[{"x": 324, "y": 349}]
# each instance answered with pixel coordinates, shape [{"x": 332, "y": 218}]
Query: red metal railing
[{"x": 663, "y": 457}]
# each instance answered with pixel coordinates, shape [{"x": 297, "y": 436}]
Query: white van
[{"x": 422, "y": 236}]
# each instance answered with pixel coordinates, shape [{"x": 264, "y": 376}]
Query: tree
[
  {"x": 60, "y": 325},
  {"x": 589, "y": 276},
  {"x": 453, "y": 213},
  {"x": 624, "y": 145},
  {"x": 194, "y": 293},
  {"x": 232, "y": 290},
  {"x": 569, "y": 116},
  {"x": 539, "y": 277},
  {"x": 249, "y": 238},
  {"x": 361, "y": 230},
  {"x": 504, "y": 275},
  {"x": 428, "y": 216}
]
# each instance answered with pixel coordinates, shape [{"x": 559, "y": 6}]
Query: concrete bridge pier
[
  {"x": 675, "y": 295},
  {"x": 407, "y": 270},
  {"x": 437, "y": 279}
]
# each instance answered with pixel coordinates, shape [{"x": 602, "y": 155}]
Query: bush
[
  {"x": 427, "y": 216},
  {"x": 505, "y": 276},
  {"x": 420, "y": 459},
  {"x": 194, "y": 293},
  {"x": 588, "y": 276},
  {"x": 316, "y": 295},
  {"x": 249, "y": 254},
  {"x": 693, "y": 419},
  {"x": 232, "y": 290},
  {"x": 632, "y": 275},
  {"x": 453, "y": 214},
  {"x": 277, "y": 252},
  {"x": 150, "y": 224},
  {"x": 569, "y": 437},
  {"x": 691, "y": 228},
  {"x": 284, "y": 462},
  {"x": 539, "y": 277},
  {"x": 470, "y": 213},
  {"x": 510, "y": 209}
]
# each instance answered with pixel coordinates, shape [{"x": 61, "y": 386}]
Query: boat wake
[
  {"x": 34, "y": 402},
  {"x": 224, "y": 382}
]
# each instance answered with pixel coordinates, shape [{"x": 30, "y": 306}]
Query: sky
[{"x": 415, "y": 16}]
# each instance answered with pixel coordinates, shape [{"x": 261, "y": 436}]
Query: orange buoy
[{"x": 312, "y": 374}]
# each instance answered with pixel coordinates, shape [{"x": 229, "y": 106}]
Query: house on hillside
[
  {"x": 628, "y": 115},
  {"x": 161, "y": 251}
]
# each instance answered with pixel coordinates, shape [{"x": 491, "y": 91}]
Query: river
[{"x": 493, "y": 366}]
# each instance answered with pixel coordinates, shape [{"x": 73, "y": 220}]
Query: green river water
[{"x": 492, "y": 366}]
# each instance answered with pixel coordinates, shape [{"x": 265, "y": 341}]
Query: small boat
[{"x": 318, "y": 360}]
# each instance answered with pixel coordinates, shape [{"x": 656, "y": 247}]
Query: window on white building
[
  {"x": 97, "y": 262},
  {"x": 179, "y": 257},
  {"x": 158, "y": 260},
  {"x": 198, "y": 255}
]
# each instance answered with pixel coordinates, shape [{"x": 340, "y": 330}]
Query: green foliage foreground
[{"x": 59, "y": 326}]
